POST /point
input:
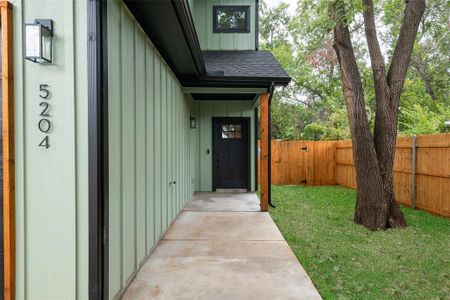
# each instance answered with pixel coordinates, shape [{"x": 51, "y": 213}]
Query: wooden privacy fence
[
  {"x": 424, "y": 160},
  {"x": 297, "y": 162}
]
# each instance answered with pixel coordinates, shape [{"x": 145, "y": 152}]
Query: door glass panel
[{"x": 231, "y": 131}]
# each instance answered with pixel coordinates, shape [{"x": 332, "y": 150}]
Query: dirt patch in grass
[{"x": 345, "y": 260}]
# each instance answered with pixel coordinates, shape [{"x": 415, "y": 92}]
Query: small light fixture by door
[
  {"x": 39, "y": 41},
  {"x": 193, "y": 122}
]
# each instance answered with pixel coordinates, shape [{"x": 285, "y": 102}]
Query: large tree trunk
[
  {"x": 376, "y": 207},
  {"x": 371, "y": 209}
]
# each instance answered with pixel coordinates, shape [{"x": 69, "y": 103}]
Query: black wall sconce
[
  {"x": 193, "y": 122},
  {"x": 39, "y": 41}
]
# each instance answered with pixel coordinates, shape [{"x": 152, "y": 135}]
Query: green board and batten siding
[
  {"x": 52, "y": 184},
  {"x": 151, "y": 145},
  {"x": 202, "y": 11},
  {"x": 149, "y": 139}
]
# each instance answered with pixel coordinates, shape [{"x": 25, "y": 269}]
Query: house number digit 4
[{"x": 44, "y": 124}]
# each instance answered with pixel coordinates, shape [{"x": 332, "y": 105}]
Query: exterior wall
[
  {"x": 203, "y": 19},
  {"x": 149, "y": 146},
  {"x": 191, "y": 5},
  {"x": 52, "y": 184},
  {"x": 204, "y": 111}
]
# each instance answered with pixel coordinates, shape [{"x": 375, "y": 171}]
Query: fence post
[{"x": 413, "y": 179}]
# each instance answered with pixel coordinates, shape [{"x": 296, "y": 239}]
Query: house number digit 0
[{"x": 44, "y": 124}]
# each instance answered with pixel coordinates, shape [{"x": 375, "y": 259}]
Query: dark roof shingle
[{"x": 244, "y": 63}]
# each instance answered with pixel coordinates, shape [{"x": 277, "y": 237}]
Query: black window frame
[{"x": 245, "y": 8}]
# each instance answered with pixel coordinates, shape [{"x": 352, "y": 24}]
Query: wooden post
[
  {"x": 9, "y": 234},
  {"x": 264, "y": 154}
]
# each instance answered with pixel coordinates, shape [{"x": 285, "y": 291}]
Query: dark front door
[{"x": 231, "y": 153}]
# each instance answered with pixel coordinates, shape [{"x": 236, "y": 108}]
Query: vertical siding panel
[
  {"x": 178, "y": 131},
  {"x": 174, "y": 150},
  {"x": 81, "y": 106},
  {"x": 49, "y": 208},
  {"x": 164, "y": 181},
  {"x": 170, "y": 189},
  {"x": 214, "y": 39},
  {"x": 115, "y": 146},
  {"x": 140, "y": 145},
  {"x": 206, "y": 112},
  {"x": 221, "y": 108},
  {"x": 175, "y": 142},
  {"x": 150, "y": 148},
  {"x": 128, "y": 145},
  {"x": 247, "y": 111},
  {"x": 157, "y": 147},
  {"x": 58, "y": 212},
  {"x": 179, "y": 106},
  {"x": 186, "y": 156},
  {"x": 235, "y": 108},
  {"x": 196, "y": 147},
  {"x": 20, "y": 142}
]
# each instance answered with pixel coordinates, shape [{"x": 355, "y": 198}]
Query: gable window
[{"x": 231, "y": 18}]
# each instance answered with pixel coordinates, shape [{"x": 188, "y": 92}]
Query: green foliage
[
  {"x": 347, "y": 261},
  {"x": 422, "y": 116},
  {"x": 312, "y": 106},
  {"x": 314, "y": 131}
]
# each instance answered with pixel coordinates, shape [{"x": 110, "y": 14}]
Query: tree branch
[
  {"x": 376, "y": 57},
  {"x": 399, "y": 65}
]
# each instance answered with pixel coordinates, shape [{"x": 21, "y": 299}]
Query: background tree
[
  {"x": 312, "y": 106},
  {"x": 376, "y": 207}
]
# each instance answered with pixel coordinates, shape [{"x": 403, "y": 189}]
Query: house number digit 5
[
  {"x": 45, "y": 124},
  {"x": 44, "y": 92}
]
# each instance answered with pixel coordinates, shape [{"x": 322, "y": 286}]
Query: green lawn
[{"x": 346, "y": 261}]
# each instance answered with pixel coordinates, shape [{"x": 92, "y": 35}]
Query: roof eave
[
  {"x": 255, "y": 82},
  {"x": 167, "y": 22}
]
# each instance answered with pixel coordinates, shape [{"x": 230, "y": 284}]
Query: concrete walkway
[{"x": 221, "y": 247}]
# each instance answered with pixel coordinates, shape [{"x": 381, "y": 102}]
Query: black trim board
[
  {"x": 271, "y": 92},
  {"x": 224, "y": 96},
  {"x": 256, "y": 24},
  {"x": 256, "y": 147},
  {"x": 98, "y": 148},
  {"x": 234, "y": 82}
]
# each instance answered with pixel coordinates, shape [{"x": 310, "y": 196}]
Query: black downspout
[
  {"x": 98, "y": 148},
  {"x": 257, "y": 25},
  {"x": 256, "y": 148},
  {"x": 272, "y": 89}
]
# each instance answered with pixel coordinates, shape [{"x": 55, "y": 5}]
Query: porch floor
[{"x": 222, "y": 247}]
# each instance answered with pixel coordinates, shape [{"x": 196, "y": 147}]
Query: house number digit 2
[{"x": 44, "y": 124}]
